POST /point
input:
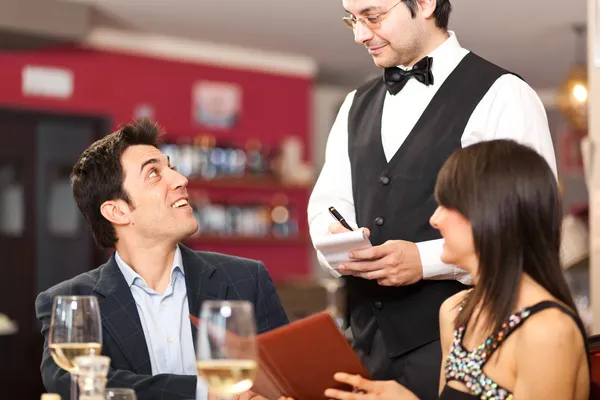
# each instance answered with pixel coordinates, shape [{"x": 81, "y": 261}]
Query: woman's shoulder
[
  {"x": 548, "y": 316},
  {"x": 455, "y": 301},
  {"x": 551, "y": 327},
  {"x": 451, "y": 306}
]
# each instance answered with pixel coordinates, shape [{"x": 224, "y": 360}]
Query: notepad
[{"x": 335, "y": 248}]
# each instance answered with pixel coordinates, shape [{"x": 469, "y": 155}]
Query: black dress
[{"x": 467, "y": 366}]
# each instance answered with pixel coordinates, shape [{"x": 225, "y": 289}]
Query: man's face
[
  {"x": 397, "y": 37},
  {"x": 158, "y": 195}
]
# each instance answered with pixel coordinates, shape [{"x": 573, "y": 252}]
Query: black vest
[{"x": 395, "y": 200}]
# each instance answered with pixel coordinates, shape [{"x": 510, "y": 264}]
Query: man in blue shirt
[{"x": 134, "y": 201}]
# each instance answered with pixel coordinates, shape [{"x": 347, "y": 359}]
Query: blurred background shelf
[
  {"x": 267, "y": 183},
  {"x": 241, "y": 240}
]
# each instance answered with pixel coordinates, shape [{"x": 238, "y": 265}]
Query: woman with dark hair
[{"x": 516, "y": 334}]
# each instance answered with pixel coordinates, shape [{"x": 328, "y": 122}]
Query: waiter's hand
[{"x": 394, "y": 263}]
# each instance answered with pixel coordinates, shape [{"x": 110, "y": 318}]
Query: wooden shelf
[
  {"x": 270, "y": 239},
  {"x": 244, "y": 183}
]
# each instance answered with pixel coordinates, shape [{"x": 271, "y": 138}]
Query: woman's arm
[{"x": 448, "y": 312}]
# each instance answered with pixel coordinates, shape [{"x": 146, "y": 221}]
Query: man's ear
[
  {"x": 427, "y": 8},
  {"x": 116, "y": 212}
]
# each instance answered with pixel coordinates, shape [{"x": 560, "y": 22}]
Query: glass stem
[
  {"x": 73, "y": 386},
  {"x": 332, "y": 301}
]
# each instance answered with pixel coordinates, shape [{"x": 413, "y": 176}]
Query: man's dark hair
[
  {"x": 98, "y": 175},
  {"x": 441, "y": 13}
]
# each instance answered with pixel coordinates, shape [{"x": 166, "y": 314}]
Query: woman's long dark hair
[{"x": 510, "y": 196}]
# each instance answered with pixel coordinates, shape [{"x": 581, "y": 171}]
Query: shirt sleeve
[
  {"x": 510, "y": 110},
  {"x": 433, "y": 267},
  {"x": 516, "y": 112},
  {"x": 334, "y": 184}
]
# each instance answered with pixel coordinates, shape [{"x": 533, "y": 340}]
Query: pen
[{"x": 339, "y": 217}]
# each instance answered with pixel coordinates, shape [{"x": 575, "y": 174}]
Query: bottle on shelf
[
  {"x": 204, "y": 158},
  {"x": 284, "y": 224},
  {"x": 199, "y": 201},
  {"x": 256, "y": 163},
  {"x": 233, "y": 220},
  {"x": 237, "y": 163},
  {"x": 186, "y": 162}
]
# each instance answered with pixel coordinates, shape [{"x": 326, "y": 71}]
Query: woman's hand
[{"x": 369, "y": 390}]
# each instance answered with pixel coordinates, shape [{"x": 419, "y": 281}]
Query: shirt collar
[
  {"x": 445, "y": 58},
  {"x": 131, "y": 276}
]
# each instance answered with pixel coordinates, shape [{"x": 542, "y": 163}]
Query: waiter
[{"x": 388, "y": 142}]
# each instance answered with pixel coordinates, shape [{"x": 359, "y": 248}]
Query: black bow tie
[{"x": 395, "y": 78}]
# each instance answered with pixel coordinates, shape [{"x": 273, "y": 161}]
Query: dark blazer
[{"x": 207, "y": 276}]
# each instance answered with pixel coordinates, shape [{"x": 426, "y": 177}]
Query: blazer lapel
[
  {"x": 200, "y": 283},
  {"x": 120, "y": 317}
]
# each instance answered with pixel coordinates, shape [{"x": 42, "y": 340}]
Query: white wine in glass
[
  {"x": 226, "y": 347},
  {"x": 65, "y": 353},
  {"x": 75, "y": 330}
]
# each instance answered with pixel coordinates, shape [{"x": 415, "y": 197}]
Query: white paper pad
[{"x": 335, "y": 248}]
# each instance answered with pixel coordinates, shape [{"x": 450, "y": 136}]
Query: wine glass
[
  {"x": 332, "y": 286},
  {"x": 226, "y": 349},
  {"x": 92, "y": 372},
  {"x": 120, "y": 394},
  {"x": 75, "y": 330}
]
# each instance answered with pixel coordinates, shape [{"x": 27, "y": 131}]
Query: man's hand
[
  {"x": 248, "y": 395},
  {"x": 394, "y": 263}
]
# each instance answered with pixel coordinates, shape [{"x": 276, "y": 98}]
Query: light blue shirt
[{"x": 166, "y": 323}]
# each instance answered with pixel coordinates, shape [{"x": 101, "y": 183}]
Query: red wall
[{"x": 113, "y": 84}]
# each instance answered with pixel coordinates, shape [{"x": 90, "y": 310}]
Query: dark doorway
[{"x": 43, "y": 238}]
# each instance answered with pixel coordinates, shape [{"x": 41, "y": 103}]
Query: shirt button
[
  {"x": 164, "y": 303},
  {"x": 378, "y": 305},
  {"x": 379, "y": 221},
  {"x": 385, "y": 180},
  {"x": 170, "y": 340}
]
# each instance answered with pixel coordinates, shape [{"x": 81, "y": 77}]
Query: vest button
[
  {"x": 379, "y": 221},
  {"x": 378, "y": 305},
  {"x": 385, "y": 180}
]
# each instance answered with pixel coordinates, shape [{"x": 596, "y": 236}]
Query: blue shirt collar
[{"x": 131, "y": 276}]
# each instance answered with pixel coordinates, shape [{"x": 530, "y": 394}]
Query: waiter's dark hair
[
  {"x": 442, "y": 11},
  {"x": 510, "y": 196}
]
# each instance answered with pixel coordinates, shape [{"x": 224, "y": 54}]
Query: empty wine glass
[
  {"x": 75, "y": 330},
  {"x": 227, "y": 356},
  {"x": 92, "y": 372}
]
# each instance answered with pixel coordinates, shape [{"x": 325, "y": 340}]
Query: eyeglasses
[{"x": 373, "y": 22}]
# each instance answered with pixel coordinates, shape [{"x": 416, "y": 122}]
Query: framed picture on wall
[{"x": 216, "y": 104}]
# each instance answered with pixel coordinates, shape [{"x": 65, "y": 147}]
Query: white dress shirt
[{"x": 509, "y": 110}]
